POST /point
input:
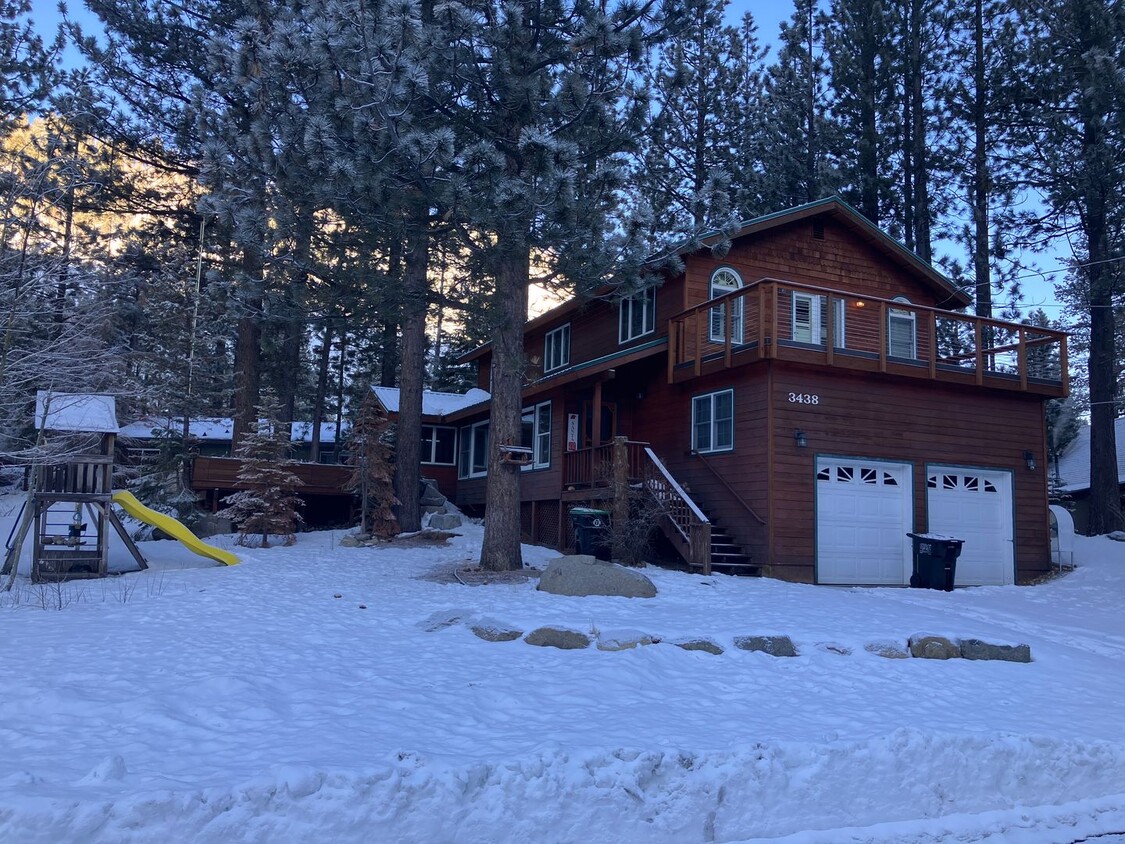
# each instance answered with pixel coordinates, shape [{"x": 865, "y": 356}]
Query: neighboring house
[
  {"x": 439, "y": 439},
  {"x": 1072, "y": 474},
  {"x": 211, "y": 437},
  {"x": 814, "y": 391},
  {"x": 327, "y": 500}
]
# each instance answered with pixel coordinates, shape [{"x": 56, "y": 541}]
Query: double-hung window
[
  {"x": 556, "y": 348},
  {"x": 723, "y": 281},
  {"x": 472, "y": 457},
  {"x": 638, "y": 315},
  {"x": 810, "y": 320},
  {"x": 536, "y": 434},
  {"x": 712, "y": 422},
  {"x": 902, "y": 331},
  {"x": 438, "y": 444}
]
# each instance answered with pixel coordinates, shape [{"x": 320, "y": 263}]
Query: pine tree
[
  {"x": 858, "y": 49},
  {"x": 268, "y": 506},
  {"x": 539, "y": 106},
  {"x": 798, "y": 135},
  {"x": 690, "y": 167},
  {"x": 372, "y": 475},
  {"x": 1069, "y": 98}
]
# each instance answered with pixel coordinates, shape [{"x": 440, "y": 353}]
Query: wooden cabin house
[{"x": 798, "y": 405}]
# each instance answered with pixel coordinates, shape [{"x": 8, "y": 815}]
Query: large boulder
[{"x": 580, "y": 575}]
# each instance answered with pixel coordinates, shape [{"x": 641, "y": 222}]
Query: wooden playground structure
[{"x": 68, "y": 510}]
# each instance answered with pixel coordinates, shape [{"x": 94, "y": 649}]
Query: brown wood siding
[
  {"x": 919, "y": 424},
  {"x": 663, "y": 419},
  {"x": 594, "y": 329},
  {"x": 790, "y": 253}
]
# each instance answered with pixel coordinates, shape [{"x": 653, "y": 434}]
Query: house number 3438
[{"x": 804, "y": 398}]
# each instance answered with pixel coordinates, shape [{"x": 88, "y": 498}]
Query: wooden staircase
[
  {"x": 699, "y": 540},
  {"x": 728, "y": 556}
]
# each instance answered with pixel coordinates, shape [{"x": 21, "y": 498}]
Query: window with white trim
[
  {"x": 723, "y": 281},
  {"x": 712, "y": 422},
  {"x": 472, "y": 457},
  {"x": 535, "y": 432},
  {"x": 637, "y": 316},
  {"x": 439, "y": 445},
  {"x": 556, "y": 348},
  {"x": 902, "y": 331},
  {"x": 810, "y": 319}
]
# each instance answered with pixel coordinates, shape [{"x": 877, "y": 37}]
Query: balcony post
[
  {"x": 932, "y": 321},
  {"x": 980, "y": 352},
  {"x": 1021, "y": 358},
  {"x": 830, "y": 333},
  {"x": 620, "y": 480},
  {"x": 882, "y": 336}
]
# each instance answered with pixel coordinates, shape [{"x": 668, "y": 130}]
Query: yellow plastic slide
[{"x": 128, "y": 502}]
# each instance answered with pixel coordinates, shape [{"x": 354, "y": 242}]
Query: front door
[{"x": 607, "y": 426}]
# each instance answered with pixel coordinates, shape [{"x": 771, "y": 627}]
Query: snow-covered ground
[{"x": 300, "y": 697}]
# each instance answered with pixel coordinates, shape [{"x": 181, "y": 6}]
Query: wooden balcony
[{"x": 774, "y": 319}]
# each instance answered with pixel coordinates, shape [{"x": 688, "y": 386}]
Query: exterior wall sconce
[
  {"x": 1029, "y": 459},
  {"x": 861, "y": 304},
  {"x": 800, "y": 438}
]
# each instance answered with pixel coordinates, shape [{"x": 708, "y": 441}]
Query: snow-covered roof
[
  {"x": 146, "y": 427},
  {"x": 434, "y": 403},
  {"x": 85, "y": 412},
  {"x": 1074, "y": 463},
  {"x": 216, "y": 429}
]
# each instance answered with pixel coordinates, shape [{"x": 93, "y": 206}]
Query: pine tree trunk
[
  {"x": 500, "y": 550},
  {"x": 981, "y": 182},
  {"x": 321, "y": 392},
  {"x": 408, "y": 470},
  {"x": 247, "y": 351},
  {"x": 1105, "y": 496},
  {"x": 920, "y": 163}
]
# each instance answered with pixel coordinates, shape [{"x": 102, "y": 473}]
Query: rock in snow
[{"x": 581, "y": 575}]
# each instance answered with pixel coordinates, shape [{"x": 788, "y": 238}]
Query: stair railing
[
  {"x": 722, "y": 479},
  {"x": 686, "y": 518}
]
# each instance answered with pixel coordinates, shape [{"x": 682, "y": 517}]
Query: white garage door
[
  {"x": 863, "y": 513},
  {"x": 974, "y": 505}
]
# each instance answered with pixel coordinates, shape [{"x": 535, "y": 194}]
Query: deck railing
[
  {"x": 624, "y": 463},
  {"x": 772, "y": 318},
  {"x": 594, "y": 466}
]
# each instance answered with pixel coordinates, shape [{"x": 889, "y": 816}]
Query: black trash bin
[
  {"x": 591, "y": 531},
  {"x": 935, "y": 560}
]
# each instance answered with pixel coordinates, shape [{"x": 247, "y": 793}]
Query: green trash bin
[
  {"x": 935, "y": 560},
  {"x": 591, "y": 531}
]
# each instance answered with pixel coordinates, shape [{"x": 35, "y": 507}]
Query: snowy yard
[{"x": 300, "y": 697}]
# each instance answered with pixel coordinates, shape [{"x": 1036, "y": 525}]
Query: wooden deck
[
  {"x": 757, "y": 322},
  {"x": 211, "y": 473}
]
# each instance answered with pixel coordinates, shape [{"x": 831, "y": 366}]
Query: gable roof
[
  {"x": 1074, "y": 463},
  {"x": 84, "y": 412},
  {"x": 842, "y": 212},
  {"x": 832, "y": 206}
]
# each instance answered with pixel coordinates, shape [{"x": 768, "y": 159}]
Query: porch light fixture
[
  {"x": 861, "y": 304},
  {"x": 1029, "y": 459},
  {"x": 800, "y": 438}
]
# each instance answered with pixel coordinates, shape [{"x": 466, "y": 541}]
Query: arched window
[
  {"x": 723, "y": 281},
  {"x": 902, "y": 335}
]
